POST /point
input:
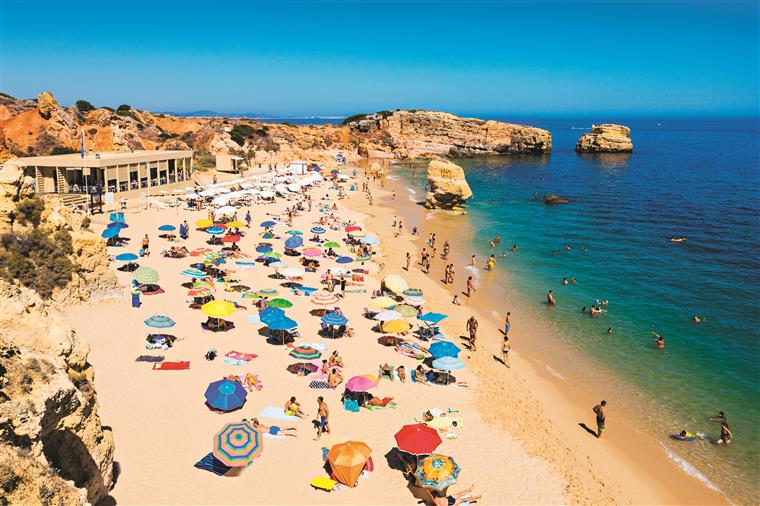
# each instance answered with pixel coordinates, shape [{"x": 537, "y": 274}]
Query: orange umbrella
[{"x": 347, "y": 461}]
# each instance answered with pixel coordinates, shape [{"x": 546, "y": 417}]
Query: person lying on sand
[
  {"x": 274, "y": 430},
  {"x": 251, "y": 381},
  {"x": 378, "y": 402},
  {"x": 453, "y": 499}
]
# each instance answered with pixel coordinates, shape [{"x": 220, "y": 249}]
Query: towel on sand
[
  {"x": 276, "y": 414},
  {"x": 238, "y": 358},
  {"x": 213, "y": 465},
  {"x": 319, "y": 384},
  {"x": 171, "y": 366}
]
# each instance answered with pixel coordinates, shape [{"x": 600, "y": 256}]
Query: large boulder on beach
[
  {"x": 607, "y": 138},
  {"x": 448, "y": 186}
]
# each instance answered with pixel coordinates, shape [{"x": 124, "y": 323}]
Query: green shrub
[
  {"x": 84, "y": 106},
  {"x": 240, "y": 133},
  {"x": 123, "y": 108},
  {"x": 352, "y": 118},
  {"x": 30, "y": 211},
  {"x": 63, "y": 150},
  {"x": 86, "y": 222}
]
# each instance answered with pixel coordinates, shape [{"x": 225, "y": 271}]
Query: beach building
[
  {"x": 228, "y": 163},
  {"x": 108, "y": 171}
]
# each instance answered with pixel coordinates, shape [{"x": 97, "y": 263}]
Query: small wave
[
  {"x": 391, "y": 178},
  {"x": 410, "y": 190},
  {"x": 494, "y": 313},
  {"x": 554, "y": 373},
  {"x": 689, "y": 469},
  {"x": 474, "y": 270}
]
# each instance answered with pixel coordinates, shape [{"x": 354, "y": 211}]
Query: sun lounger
[
  {"x": 276, "y": 414},
  {"x": 171, "y": 366},
  {"x": 213, "y": 465}
]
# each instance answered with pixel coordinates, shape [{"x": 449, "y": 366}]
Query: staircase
[
  {"x": 75, "y": 200},
  {"x": 62, "y": 184}
]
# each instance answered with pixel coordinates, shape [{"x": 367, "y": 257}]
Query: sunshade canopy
[
  {"x": 418, "y": 439},
  {"x": 237, "y": 444},
  {"x": 347, "y": 461}
]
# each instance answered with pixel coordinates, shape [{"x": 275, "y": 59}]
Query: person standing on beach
[
  {"x": 472, "y": 260},
  {"x": 248, "y": 218},
  {"x": 505, "y": 347},
  {"x": 506, "y": 324},
  {"x": 324, "y": 414},
  {"x": 470, "y": 287},
  {"x": 601, "y": 416},
  {"x": 146, "y": 246},
  {"x": 550, "y": 298},
  {"x": 408, "y": 260},
  {"x": 472, "y": 330}
]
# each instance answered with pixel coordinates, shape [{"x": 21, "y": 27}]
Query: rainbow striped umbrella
[
  {"x": 146, "y": 276},
  {"x": 412, "y": 292},
  {"x": 305, "y": 353},
  {"x": 322, "y": 298},
  {"x": 160, "y": 322},
  {"x": 237, "y": 444},
  {"x": 267, "y": 292}
]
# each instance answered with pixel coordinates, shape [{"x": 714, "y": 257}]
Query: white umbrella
[
  {"x": 221, "y": 200},
  {"x": 267, "y": 194},
  {"x": 294, "y": 187},
  {"x": 388, "y": 315},
  {"x": 226, "y": 211},
  {"x": 292, "y": 272},
  {"x": 208, "y": 193}
]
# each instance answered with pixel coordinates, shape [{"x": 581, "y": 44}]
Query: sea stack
[
  {"x": 607, "y": 138},
  {"x": 448, "y": 187}
]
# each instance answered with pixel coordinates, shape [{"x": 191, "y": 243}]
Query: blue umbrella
[
  {"x": 442, "y": 349},
  {"x": 335, "y": 319},
  {"x": 447, "y": 364},
  {"x": 282, "y": 323},
  {"x": 293, "y": 242},
  {"x": 118, "y": 224},
  {"x": 263, "y": 249},
  {"x": 271, "y": 314},
  {"x": 167, "y": 228},
  {"x": 225, "y": 395},
  {"x": 318, "y": 230},
  {"x": 126, "y": 257},
  {"x": 267, "y": 224},
  {"x": 369, "y": 240},
  {"x": 160, "y": 322},
  {"x": 432, "y": 317},
  {"x": 344, "y": 260},
  {"x": 108, "y": 233},
  {"x": 193, "y": 273},
  {"x": 215, "y": 230}
]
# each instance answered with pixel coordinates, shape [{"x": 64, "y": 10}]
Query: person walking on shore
[
  {"x": 472, "y": 330},
  {"x": 408, "y": 260},
  {"x": 601, "y": 416},
  {"x": 324, "y": 414},
  {"x": 505, "y": 347},
  {"x": 470, "y": 287},
  {"x": 506, "y": 324}
]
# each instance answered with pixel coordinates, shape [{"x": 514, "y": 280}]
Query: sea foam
[
  {"x": 554, "y": 373},
  {"x": 689, "y": 469}
]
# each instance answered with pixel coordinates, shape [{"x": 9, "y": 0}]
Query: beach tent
[
  {"x": 347, "y": 461},
  {"x": 237, "y": 444}
]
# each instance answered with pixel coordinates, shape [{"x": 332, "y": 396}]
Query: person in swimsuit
[
  {"x": 506, "y": 324},
  {"x": 293, "y": 409},
  {"x": 453, "y": 499},
  {"x": 324, "y": 415},
  {"x": 472, "y": 330},
  {"x": 601, "y": 416},
  {"x": 725, "y": 434},
  {"x": 550, "y": 298},
  {"x": 505, "y": 347},
  {"x": 273, "y": 429}
]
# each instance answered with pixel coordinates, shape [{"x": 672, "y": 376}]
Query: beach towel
[
  {"x": 150, "y": 358},
  {"x": 213, "y": 465},
  {"x": 357, "y": 290},
  {"x": 238, "y": 358},
  {"x": 320, "y": 384},
  {"x": 276, "y": 414},
  {"x": 390, "y": 405},
  {"x": 171, "y": 366}
]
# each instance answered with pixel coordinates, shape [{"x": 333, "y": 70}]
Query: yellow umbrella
[
  {"x": 218, "y": 308},
  {"x": 235, "y": 224},
  {"x": 395, "y": 326},
  {"x": 395, "y": 283},
  {"x": 204, "y": 223},
  {"x": 381, "y": 303}
]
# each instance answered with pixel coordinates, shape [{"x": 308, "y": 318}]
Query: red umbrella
[
  {"x": 221, "y": 225},
  {"x": 231, "y": 238},
  {"x": 352, "y": 228},
  {"x": 417, "y": 439}
]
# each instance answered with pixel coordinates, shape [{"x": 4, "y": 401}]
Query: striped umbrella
[
  {"x": 203, "y": 284},
  {"x": 437, "y": 472},
  {"x": 160, "y": 322},
  {"x": 406, "y": 310},
  {"x": 199, "y": 292},
  {"x": 318, "y": 230},
  {"x": 415, "y": 301},
  {"x": 237, "y": 444},
  {"x": 335, "y": 319},
  {"x": 322, "y": 298},
  {"x": 193, "y": 273},
  {"x": 200, "y": 251},
  {"x": 146, "y": 276},
  {"x": 267, "y": 292},
  {"x": 412, "y": 292},
  {"x": 305, "y": 353},
  {"x": 447, "y": 363}
]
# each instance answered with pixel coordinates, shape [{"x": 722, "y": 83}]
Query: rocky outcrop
[
  {"x": 411, "y": 134},
  {"x": 46, "y": 104},
  {"x": 606, "y": 138},
  {"x": 14, "y": 186},
  {"x": 448, "y": 186}
]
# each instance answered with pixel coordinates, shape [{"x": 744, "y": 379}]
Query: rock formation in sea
[
  {"x": 448, "y": 186},
  {"x": 607, "y": 138},
  {"x": 53, "y": 447}
]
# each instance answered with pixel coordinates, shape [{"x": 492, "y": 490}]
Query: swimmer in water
[
  {"x": 697, "y": 319},
  {"x": 678, "y": 239},
  {"x": 568, "y": 247},
  {"x": 514, "y": 247},
  {"x": 550, "y": 298},
  {"x": 573, "y": 281},
  {"x": 564, "y": 281},
  {"x": 610, "y": 331},
  {"x": 659, "y": 340}
]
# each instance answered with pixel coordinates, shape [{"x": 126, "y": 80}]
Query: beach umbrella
[
  {"x": 441, "y": 349},
  {"x": 238, "y": 288},
  {"x": 204, "y": 223},
  {"x": 302, "y": 368},
  {"x": 267, "y": 292},
  {"x": 203, "y": 284},
  {"x": 220, "y": 225},
  {"x": 447, "y": 363},
  {"x": 271, "y": 254},
  {"x": 395, "y": 283},
  {"x": 437, "y": 472},
  {"x": 268, "y": 224},
  {"x": 294, "y": 232},
  {"x": 381, "y": 303},
  {"x": 280, "y": 303},
  {"x": 387, "y": 315},
  {"x": 361, "y": 383},
  {"x": 146, "y": 276},
  {"x": 389, "y": 340},
  {"x": 417, "y": 439},
  {"x": 231, "y": 238},
  {"x": 278, "y": 264},
  {"x": 334, "y": 319},
  {"x": 323, "y": 298},
  {"x": 412, "y": 292},
  {"x": 237, "y": 444},
  {"x": 312, "y": 252},
  {"x": 167, "y": 228},
  {"x": 193, "y": 273},
  {"x": 344, "y": 260},
  {"x": 331, "y": 244},
  {"x": 160, "y": 322},
  {"x": 271, "y": 314},
  {"x": 317, "y": 230},
  {"x": 263, "y": 248},
  {"x": 369, "y": 240},
  {"x": 396, "y": 326},
  {"x": 215, "y": 230},
  {"x": 226, "y": 395},
  {"x": 347, "y": 461},
  {"x": 117, "y": 225},
  {"x": 200, "y": 251},
  {"x": 293, "y": 242},
  {"x": 406, "y": 310},
  {"x": 357, "y": 233},
  {"x": 292, "y": 272},
  {"x": 352, "y": 228},
  {"x": 305, "y": 353},
  {"x": 226, "y": 211},
  {"x": 218, "y": 308},
  {"x": 199, "y": 292},
  {"x": 126, "y": 257},
  {"x": 282, "y": 323},
  {"x": 235, "y": 224},
  {"x": 110, "y": 232},
  {"x": 415, "y": 301},
  {"x": 432, "y": 317},
  {"x": 365, "y": 258}
]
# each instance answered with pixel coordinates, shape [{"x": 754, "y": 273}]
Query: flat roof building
[{"x": 115, "y": 171}]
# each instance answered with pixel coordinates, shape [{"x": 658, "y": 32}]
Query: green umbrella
[
  {"x": 272, "y": 254},
  {"x": 406, "y": 310},
  {"x": 146, "y": 276},
  {"x": 280, "y": 303},
  {"x": 294, "y": 232},
  {"x": 331, "y": 244}
]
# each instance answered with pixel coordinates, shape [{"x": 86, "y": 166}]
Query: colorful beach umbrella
[
  {"x": 237, "y": 444},
  {"x": 437, "y": 472},
  {"x": 204, "y": 223},
  {"x": 271, "y": 254},
  {"x": 396, "y": 326},
  {"x": 381, "y": 303},
  {"x": 417, "y": 439},
  {"x": 305, "y": 353},
  {"x": 293, "y": 242},
  {"x": 361, "y": 383},
  {"x": 215, "y": 230},
  {"x": 193, "y": 273},
  {"x": 280, "y": 303},
  {"x": 267, "y": 292},
  {"x": 226, "y": 395},
  {"x": 447, "y": 363},
  {"x": 347, "y": 461},
  {"x": 146, "y": 276},
  {"x": 318, "y": 230},
  {"x": 231, "y": 238},
  {"x": 441, "y": 349},
  {"x": 126, "y": 257},
  {"x": 334, "y": 319},
  {"x": 312, "y": 252},
  {"x": 415, "y": 301},
  {"x": 405, "y": 310},
  {"x": 218, "y": 308},
  {"x": 160, "y": 322},
  {"x": 344, "y": 260},
  {"x": 199, "y": 292},
  {"x": 302, "y": 368},
  {"x": 323, "y": 298},
  {"x": 167, "y": 228},
  {"x": 412, "y": 292}
]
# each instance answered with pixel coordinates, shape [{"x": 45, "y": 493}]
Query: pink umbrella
[
  {"x": 360, "y": 384},
  {"x": 312, "y": 252}
]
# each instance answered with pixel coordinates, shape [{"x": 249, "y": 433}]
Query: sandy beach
[{"x": 520, "y": 442}]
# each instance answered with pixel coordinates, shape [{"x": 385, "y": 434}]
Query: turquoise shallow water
[{"x": 693, "y": 178}]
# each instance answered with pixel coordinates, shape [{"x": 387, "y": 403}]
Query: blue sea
[{"x": 696, "y": 178}]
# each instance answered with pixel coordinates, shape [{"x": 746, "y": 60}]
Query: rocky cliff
[
  {"x": 606, "y": 138},
  {"x": 42, "y": 126},
  {"x": 448, "y": 186}
]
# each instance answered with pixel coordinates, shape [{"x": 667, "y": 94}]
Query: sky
[{"x": 542, "y": 58}]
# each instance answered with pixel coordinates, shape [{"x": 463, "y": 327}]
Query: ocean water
[{"x": 694, "y": 178}]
